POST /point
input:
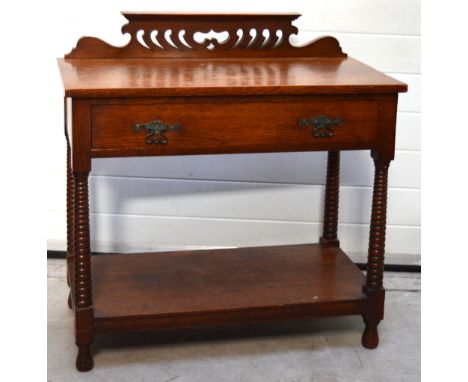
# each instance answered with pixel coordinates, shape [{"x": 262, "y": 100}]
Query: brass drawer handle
[
  {"x": 323, "y": 125},
  {"x": 156, "y": 130}
]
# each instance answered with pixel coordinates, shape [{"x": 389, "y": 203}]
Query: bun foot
[
  {"x": 370, "y": 337},
  {"x": 69, "y": 301},
  {"x": 84, "y": 360}
]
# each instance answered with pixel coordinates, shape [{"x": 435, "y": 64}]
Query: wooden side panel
[{"x": 387, "y": 126}]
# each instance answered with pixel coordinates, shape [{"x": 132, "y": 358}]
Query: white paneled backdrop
[{"x": 248, "y": 200}]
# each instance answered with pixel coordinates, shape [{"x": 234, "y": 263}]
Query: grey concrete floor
[{"x": 322, "y": 350}]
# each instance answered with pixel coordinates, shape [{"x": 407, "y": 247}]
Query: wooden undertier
[{"x": 153, "y": 291}]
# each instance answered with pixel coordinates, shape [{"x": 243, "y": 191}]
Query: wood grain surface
[
  {"x": 222, "y": 125},
  {"x": 238, "y": 76},
  {"x": 169, "y": 35},
  {"x": 211, "y": 285}
]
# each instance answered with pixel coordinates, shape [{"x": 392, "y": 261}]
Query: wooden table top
[{"x": 221, "y": 76}]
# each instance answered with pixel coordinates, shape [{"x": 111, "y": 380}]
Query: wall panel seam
[
  {"x": 242, "y": 220},
  {"x": 201, "y": 180}
]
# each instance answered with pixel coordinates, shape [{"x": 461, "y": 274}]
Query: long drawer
[{"x": 193, "y": 126}]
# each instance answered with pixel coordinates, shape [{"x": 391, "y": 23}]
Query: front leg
[
  {"x": 70, "y": 207},
  {"x": 84, "y": 317},
  {"x": 70, "y": 228},
  {"x": 375, "y": 261}
]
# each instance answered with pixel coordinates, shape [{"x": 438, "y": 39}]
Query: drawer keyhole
[{"x": 323, "y": 125}]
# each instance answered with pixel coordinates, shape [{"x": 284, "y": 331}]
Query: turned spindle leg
[
  {"x": 332, "y": 191},
  {"x": 375, "y": 261},
  {"x": 70, "y": 203},
  {"x": 82, "y": 274}
]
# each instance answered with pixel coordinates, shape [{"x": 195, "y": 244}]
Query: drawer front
[{"x": 235, "y": 126}]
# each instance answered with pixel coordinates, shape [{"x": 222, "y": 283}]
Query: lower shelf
[{"x": 152, "y": 291}]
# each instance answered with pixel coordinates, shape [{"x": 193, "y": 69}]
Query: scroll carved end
[
  {"x": 93, "y": 47},
  {"x": 326, "y": 46}
]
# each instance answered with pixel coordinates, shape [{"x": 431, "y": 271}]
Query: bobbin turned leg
[
  {"x": 70, "y": 198},
  {"x": 375, "y": 261},
  {"x": 332, "y": 190},
  {"x": 82, "y": 274},
  {"x": 70, "y": 206}
]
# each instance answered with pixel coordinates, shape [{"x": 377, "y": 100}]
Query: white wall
[{"x": 246, "y": 200}]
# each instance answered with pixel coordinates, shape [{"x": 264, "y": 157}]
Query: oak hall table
[{"x": 168, "y": 92}]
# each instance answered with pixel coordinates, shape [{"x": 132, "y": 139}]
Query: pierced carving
[{"x": 211, "y": 35}]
